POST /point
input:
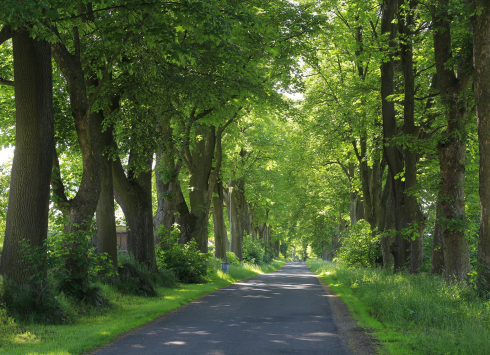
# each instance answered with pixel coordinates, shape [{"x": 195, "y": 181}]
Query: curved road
[{"x": 284, "y": 312}]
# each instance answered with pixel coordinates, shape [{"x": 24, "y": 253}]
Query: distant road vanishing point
[{"x": 284, "y": 312}]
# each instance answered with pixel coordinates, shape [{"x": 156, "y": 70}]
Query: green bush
[
  {"x": 28, "y": 303},
  {"x": 360, "y": 248},
  {"x": 232, "y": 258},
  {"x": 126, "y": 284},
  {"x": 75, "y": 265},
  {"x": 253, "y": 251},
  {"x": 185, "y": 260}
]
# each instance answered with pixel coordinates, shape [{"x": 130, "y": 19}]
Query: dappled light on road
[{"x": 285, "y": 312}]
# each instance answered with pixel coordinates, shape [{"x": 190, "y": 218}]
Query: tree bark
[
  {"x": 27, "y": 215},
  {"x": 105, "y": 212},
  {"x": 481, "y": 60},
  {"x": 78, "y": 212},
  {"x": 401, "y": 247},
  {"x": 437, "y": 260},
  {"x": 202, "y": 160},
  {"x": 220, "y": 233},
  {"x": 452, "y": 148},
  {"x": 133, "y": 193}
]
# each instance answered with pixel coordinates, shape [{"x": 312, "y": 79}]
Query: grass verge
[
  {"x": 412, "y": 314},
  {"x": 97, "y": 326}
]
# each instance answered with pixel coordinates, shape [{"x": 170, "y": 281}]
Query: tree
[
  {"x": 27, "y": 217},
  {"x": 481, "y": 60},
  {"x": 453, "y": 89}
]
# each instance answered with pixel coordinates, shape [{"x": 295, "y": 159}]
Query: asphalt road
[{"x": 284, "y": 312}]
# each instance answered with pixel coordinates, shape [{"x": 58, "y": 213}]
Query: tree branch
[
  {"x": 6, "y": 33},
  {"x": 6, "y": 82}
]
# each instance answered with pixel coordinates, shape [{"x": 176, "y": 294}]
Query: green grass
[
  {"x": 412, "y": 314},
  {"x": 96, "y": 327}
]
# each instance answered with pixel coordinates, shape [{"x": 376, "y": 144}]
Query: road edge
[{"x": 357, "y": 338}]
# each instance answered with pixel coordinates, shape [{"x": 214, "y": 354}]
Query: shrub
[
  {"x": 76, "y": 265},
  {"x": 185, "y": 260},
  {"x": 232, "y": 258},
  {"x": 360, "y": 248},
  {"x": 27, "y": 303},
  {"x": 129, "y": 285},
  {"x": 253, "y": 251}
]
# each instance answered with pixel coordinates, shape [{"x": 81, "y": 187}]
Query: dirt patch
[{"x": 357, "y": 338}]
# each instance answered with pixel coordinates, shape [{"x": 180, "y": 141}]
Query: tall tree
[
  {"x": 27, "y": 217},
  {"x": 454, "y": 92},
  {"x": 481, "y": 60}
]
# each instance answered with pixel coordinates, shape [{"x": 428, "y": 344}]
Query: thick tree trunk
[
  {"x": 481, "y": 58},
  {"x": 27, "y": 216},
  {"x": 452, "y": 149},
  {"x": 134, "y": 196},
  {"x": 401, "y": 247},
  {"x": 105, "y": 213}
]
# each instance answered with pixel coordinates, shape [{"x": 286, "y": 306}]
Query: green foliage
[
  {"x": 253, "y": 251},
  {"x": 30, "y": 303},
  {"x": 360, "y": 248},
  {"x": 126, "y": 284},
  {"x": 74, "y": 264},
  {"x": 232, "y": 258},
  {"x": 185, "y": 260},
  {"x": 420, "y": 314}
]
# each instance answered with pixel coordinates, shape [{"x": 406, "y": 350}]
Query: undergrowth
[{"x": 413, "y": 314}]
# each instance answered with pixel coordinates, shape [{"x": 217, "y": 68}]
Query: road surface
[{"x": 284, "y": 312}]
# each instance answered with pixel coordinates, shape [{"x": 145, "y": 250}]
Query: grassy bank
[
  {"x": 95, "y": 327},
  {"x": 412, "y": 314}
]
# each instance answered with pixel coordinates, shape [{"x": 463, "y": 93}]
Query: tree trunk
[
  {"x": 133, "y": 193},
  {"x": 452, "y": 149},
  {"x": 27, "y": 215},
  {"x": 78, "y": 212},
  {"x": 202, "y": 159},
  {"x": 414, "y": 214},
  {"x": 105, "y": 213},
  {"x": 437, "y": 261},
  {"x": 481, "y": 60},
  {"x": 389, "y": 230},
  {"x": 235, "y": 225},
  {"x": 400, "y": 248},
  {"x": 220, "y": 237}
]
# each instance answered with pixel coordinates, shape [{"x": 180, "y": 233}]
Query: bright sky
[{"x": 6, "y": 154}]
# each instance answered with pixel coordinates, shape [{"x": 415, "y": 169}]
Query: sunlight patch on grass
[{"x": 24, "y": 338}]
